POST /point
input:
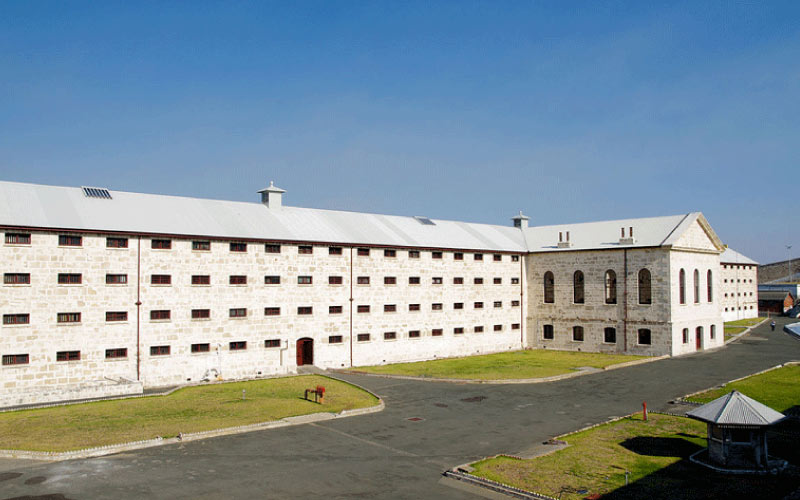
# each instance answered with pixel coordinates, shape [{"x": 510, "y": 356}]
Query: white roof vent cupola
[
  {"x": 521, "y": 220},
  {"x": 272, "y": 196}
]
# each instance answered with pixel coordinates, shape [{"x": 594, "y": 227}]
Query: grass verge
[
  {"x": 777, "y": 388},
  {"x": 535, "y": 363},
  {"x": 655, "y": 453},
  {"x": 191, "y": 409},
  {"x": 744, "y": 322}
]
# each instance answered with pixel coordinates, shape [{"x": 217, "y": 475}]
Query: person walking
[{"x": 772, "y": 325}]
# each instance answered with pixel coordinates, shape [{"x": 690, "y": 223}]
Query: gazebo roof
[{"x": 735, "y": 408}]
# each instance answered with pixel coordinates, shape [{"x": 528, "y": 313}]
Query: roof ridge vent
[
  {"x": 425, "y": 221},
  {"x": 96, "y": 192}
]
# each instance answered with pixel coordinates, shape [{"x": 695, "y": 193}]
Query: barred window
[
  {"x": 238, "y": 247},
  {"x": 196, "y": 348},
  {"x": 272, "y": 280},
  {"x": 334, "y": 250},
  {"x": 458, "y": 256},
  {"x": 547, "y": 332},
  {"x": 305, "y": 310},
  {"x": 389, "y": 335},
  {"x": 238, "y": 345},
  {"x": 497, "y": 257},
  {"x": 362, "y": 280},
  {"x": 478, "y": 281},
  {"x": 478, "y": 329},
  {"x": 478, "y": 305},
  {"x": 335, "y": 280},
  {"x": 201, "y": 313},
  {"x": 413, "y": 280},
  {"x": 237, "y": 279},
  {"x": 201, "y": 279},
  {"x": 116, "y": 316},
  {"x": 478, "y": 256},
  {"x": 389, "y": 308},
  {"x": 17, "y": 278},
  {"x": 363, "y": 309},
  {"x": 413, "y": 307},
  {"x": 363, "y": 337},
  {"x": 413, "y": 254},
  {"x": 363, "y": 252},
  {"x": 458, "y": 305},
  {"x": 272, "y": 311},
  {"x": 305, "y": 280},
  {"x": 15, "y": 359},
  {"x": 117, "y": 353},
  {"x": 389, "y": 280},
  {"x": 436, "y": 255},
  {"x": 498, "y": 328},
  {"x": 66, "y": 240},
  {"x": 159, "y": 350},
  {"x": 160, "y": 314},
  {"x": 201, "y": 246},
  {"x": 269, "y": 343},
  {"x": 237, "y": 312},
  {"x": 335, "y": 339},
  {"x": 498, "y": 303},
  {"x": 68, "y": 355},
  {"x": 16, "y": 319},
  {"x": 271, "y": 248},
  {"x": 497, "y": 281},
  {"x": 161, "y": 244},
  {"x": 437, "y": 332},
  {"x": 514, "y": 303},
  {"x": 335, "y": 309},
  {"x": 458, "y": 280},
  {"x": 18, "y": 239},
  {"x": 305, "y": 249},
  {"x": 459, "y": 330},
  {"x": 70, "y": 278},
  {"x": 161, "y": 279},
  {"x": 116, "y": 242},
  {"x": 390, "y": 253},
  {"x": 116, "y": 279},
  {"x": 413, "y": 334},
  {"x": 68, "y": 317}
]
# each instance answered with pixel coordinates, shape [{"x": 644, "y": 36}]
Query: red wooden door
[
  {"x": 698, "y": 336},
  {"x": 305, "y": 352}
]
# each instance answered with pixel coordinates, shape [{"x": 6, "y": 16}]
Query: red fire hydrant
[{"x": 321, "y": 393}]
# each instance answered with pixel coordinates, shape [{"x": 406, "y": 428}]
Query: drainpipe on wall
[
  {"x": 138, "y": 302},
  {"x": 351, "y": 307},
  {"x": 521, "y": 305},
  {"x": 625, "y": 300}
]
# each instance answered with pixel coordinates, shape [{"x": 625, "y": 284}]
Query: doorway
[
  {"x": 699, "y": 338},
  {"x": 305, "y": 351}
]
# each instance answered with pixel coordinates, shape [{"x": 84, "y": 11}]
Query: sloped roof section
[
  {"x": 39, "y": 206},
  {"x": 731, "y": 256},
  {"x": 734, "y": 409}
]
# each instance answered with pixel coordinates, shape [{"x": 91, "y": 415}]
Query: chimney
[
  {"x": 272, "y": 196},
  {"x": 563, "y": 243},
  {"x": 629, "y": 240},
  {"x": 520, "y": 221}
]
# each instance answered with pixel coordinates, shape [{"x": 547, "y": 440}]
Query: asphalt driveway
[{"x": 386, "y": 455}]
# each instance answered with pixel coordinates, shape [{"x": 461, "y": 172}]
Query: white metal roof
[
  {"x": 731, "y": 256},
  {"x": 54, "y": 207},
  {"x": 735, "y": 408}
]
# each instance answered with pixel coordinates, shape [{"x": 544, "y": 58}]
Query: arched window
[
  {"x": 645, "y": 292},
  {"x": 682, "y": 285},
  {"x": 577, "y": 287},
  {"x": 698, "y": 332},
  {"x": 696, "y": 286},
  {"x": 710, "y": 285},
  {"x": 611, "y": 287},
  {"x": 549, "y": 288}
]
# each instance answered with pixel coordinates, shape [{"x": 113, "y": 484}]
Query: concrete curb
[
  {"x": 745, "y": 332},
  {"x": 683, "y": 399},
  {"x": 541, "y": 380},
  {"x": 111, "y": 449}
]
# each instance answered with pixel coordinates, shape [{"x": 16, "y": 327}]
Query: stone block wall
[{"x": 739, "y": 291}]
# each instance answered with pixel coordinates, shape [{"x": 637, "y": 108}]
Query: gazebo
[{"x": 737, "y": 437}]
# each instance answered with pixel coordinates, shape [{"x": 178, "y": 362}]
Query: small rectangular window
[
  {"x": 305, "y": 310},
  {"x": 116, "y": 242},
  {"x": 515, "y": 281},
  {"x": 436, "y": 255},
  {"x": 547, "y": 332},
  {"x": 305, "y": 280},
  {"x": 478, "y": 281},
  {"x": 390, "y": 253},
  {"x": 161, "y": 279},
  {"x": 389, "y": 335},
  {"x": 437, "y": 332},
  {"x": 238, "y": 247},
  {"x": 478, "y": 329},
  {"x": 116, "y": 316},
  {"x": 498, "y": 328},
  {"x": 497, "y": 257},
  {"x": 272, "y": 280},
  {"x": 497, "y": 281},
  {"x": 413, "y": 254},
  {"x": 577, "y": 333},
  {"x": 269, "y": 343},
  {"x": 18, "y": 239},
  {"x": 458, "y": 280},
  {"x": 161, "y": 244},
  {"x": 70, "y": 279},
  {"x": 68, "y": 318},
  {"x": 16, "y": 319},
  {"x": 116, "y": 279},
  {"x": 644, "y": 336},
  {"x": 335, "y": 339},
  {"x": 66, "y": 240},
  {"x": 458, "y": 330},
  {"x": 335, "y": 309},
  {"x": 272, "y": 248},
  {"x": 201, "y": 313},
  {"x": 68, "y": 356},
  {"x": 515, "y": 326},
  {"x": 237, "y": 312},
  {"x": 413, "y": 334},
  {"x": 610, "y": 335},
  {"x": 237, "y": 279},
  {"x": 478, "y": 305},
  {"x": 413, "y": 307},
  {"x": 498, "y": 303},
  {"x": 478, "y": 256},
  {"x": 201, "y": 279},
  {"x": 160, "y": 315},
  {"x": 362, "y": 309},
  {"x": 201, "y": 246},
  {"x": 390, "y": 308},
  {"x": 436, "y": 306},
  {"x": 515, "y": 258},
  {"x": 514, "y": 303},
  {"x": 335, "y": 280},
  {"x": 413, "y": 280},
  {"x": 458, "y": 305},
  {"x": 685, "y": 335},
  {"x": 437, "y": 280},
  {"x": 362, "y": 280},
  {"x": 389, "y": 280},
  {"x": 334, "y": 250},
  {"x": 305, "y": 249},
  {"x": 458, "y": 256},
  {"x": 238, "y": 345},
  {"x": 363, "y": 337},
  {"x": 363, "y": 252},
  {"x": 272, "y": 311},
  {"x": 17, "y": 279},
  {"x": 116, "y": 353},
  {"x": 197, "y": 348},
  {"x": 159, "y": 350},
  {"x": 15, "y": 359}
]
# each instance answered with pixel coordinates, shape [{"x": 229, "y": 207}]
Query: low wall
[{"x": 87, "y": 390}]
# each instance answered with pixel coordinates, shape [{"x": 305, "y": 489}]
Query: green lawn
[
  {"x": 190, "y": 409},
  {"x": 779, "y": 389},
  {"x": 744, "y": 322},
  {"x": 654, "y": 452},
  {"x": 535, "y": 363}
]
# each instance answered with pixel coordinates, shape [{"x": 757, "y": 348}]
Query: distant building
[
  {"x": 739, "y": 286},
  {"x": 775, "y": 301}
]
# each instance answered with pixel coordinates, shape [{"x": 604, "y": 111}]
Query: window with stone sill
[
  {"x": 363, "y": 337},
  {"x": 70, "y": 278},
  {"x": 389, "y": 335},
  {"x": 458, "y": 330},
  {"x": 497, "y": 281},
  {"x": 15, "y": 359},
  {"x": 335, "y": 339},
  {"x": 112, "y": 316},
  {"x": 199, "y": 348},
  {"x": 238, "y": 247},
  {"x": 160, "y": 315},
  {"x": 515, "y": 281},
  {"x": 272, "y": 311},
  {"x": 478, "y": 329},
  {"x": 18, "y": 239},
  {"x": 272, "y": 280},
  {"x": 362, "y": 280},
  {"x": 238, "y": 345},
  {"x": 437, "y": 280},
  {"x": 17, "y": 279},
  {"x": 160, "y": 350},
  {"x": 304, "y": 310},
  {"x": 117, "y": 353},
  {"x": 270, "y": 248},
  {"x": 413, "y": 254},
  {"x": 577, "y": 334},
  {"x": 515, "y": 258},
  {"x": 116, "y": 279},
  {"x": 16, "y": 319},
  {"x": 458, "y": 280},
  {"x": 201, "y": 246},
  {"x": 437, "y": 332},
  {"x": 269, "y": 343},
  {"x": 498, "y": 303},
  {"x": 478, "y": 256},
  {"x": 547, "y": 332},
  {"x": 161, "y": 279},
  {"x": 515, "y": 326},
  {"x": 389, "y": 308},
  {"x": 436, "y": 255},
  {"x": 436, "y": 307},
  {"x": 514, "y": 303},
  {"x": 201, "y": 313},
  {"x": 161, "y": 244},
  {"x": 497, "y": 257},
  {"x": 334, "y": 250},
  {"x": 335, "y": 310},
  {"x": 201, "y": 279},
  {"x": 335, "y": 280},
  {"x": 413, "y": 307},
  {"x": 498, "y": 328},
  {"x": 414, "y": 280},
  {"x": 458, "y": 305},
  {"x": 389, "y": 280},
  {"x": 477, "y": 281},
  {"x": 478, "y": 305},
  {"x": 362, "y": 309},
  {"x": 66, "y": 240},
  {"x": 305, "y": 249},
  {"x": 237, "y": 280},
  {"x": 116, "y": 242},
  {"x": 362, "y": 252},
  {"x": 304, "y": 280},
  {"x": 414, "y": 334},
  {"x": 68, "y": 317},
  {"x": 458, "y": 256},
  {"x": 68, "y": 356},
  {"x": 390, "y": 253}
]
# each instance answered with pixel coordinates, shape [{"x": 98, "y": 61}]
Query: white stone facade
[{"x": 739, "y": 290}]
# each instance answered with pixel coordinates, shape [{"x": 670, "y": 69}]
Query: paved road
[{"x": 385, "y": 455}]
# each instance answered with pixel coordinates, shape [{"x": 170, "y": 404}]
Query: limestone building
[
  {"x": 106, "y": 292},
  {"x": 739, "y": 286}
]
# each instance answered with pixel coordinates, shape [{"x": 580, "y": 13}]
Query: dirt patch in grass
[
  {"x": 534, "y": 363},
  {"x": 191, "y": 409}
]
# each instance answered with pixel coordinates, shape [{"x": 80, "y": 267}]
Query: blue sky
[{"x": 462, "y": 110}]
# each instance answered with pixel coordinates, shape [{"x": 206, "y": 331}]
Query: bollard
[
  {"x": 242, "y": 394},
  {"x": 644, "y": 410}
]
